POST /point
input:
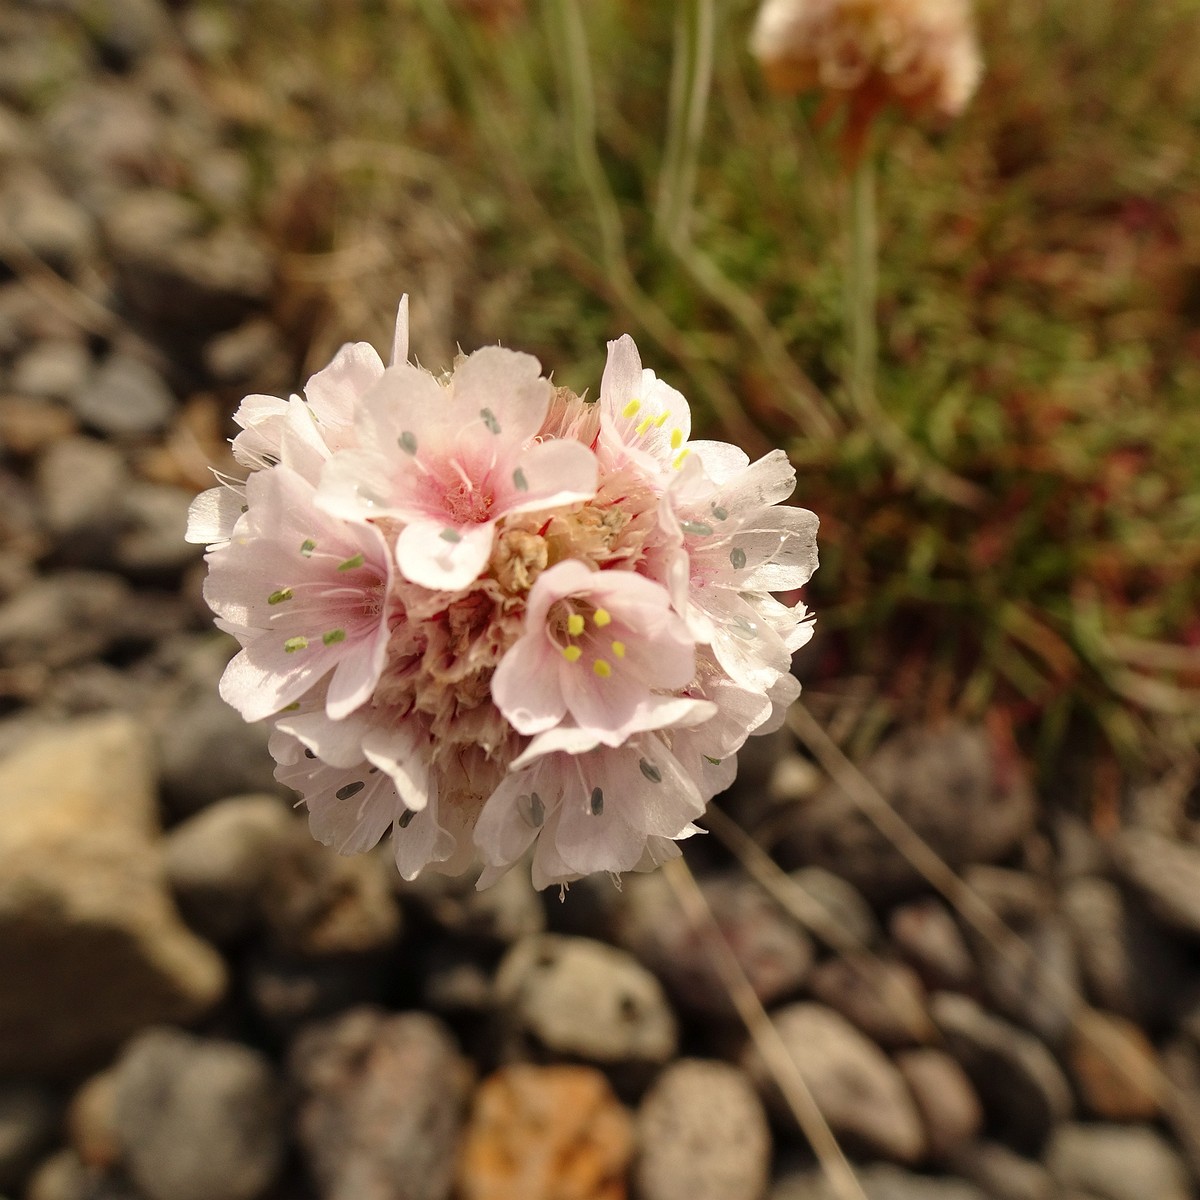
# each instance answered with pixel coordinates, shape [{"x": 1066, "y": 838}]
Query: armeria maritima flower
[
  {"x": 919, "y": 54},
  {"x": 491, "y": 617}
]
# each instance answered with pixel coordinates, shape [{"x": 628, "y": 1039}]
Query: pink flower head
[
  {"x": 449, "y": 461},
  {"x": 600, "y": 646},
  {"x": 496, "y": 619},
  {"x": 642, "y": 419},
  {"x": 305, "y": 595},
  {"x": 589, "y": 812}
]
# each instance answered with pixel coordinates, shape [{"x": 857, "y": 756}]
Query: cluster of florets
[
  {"x": 486, "y": 614},
  {"x": 919, "y": 54}
]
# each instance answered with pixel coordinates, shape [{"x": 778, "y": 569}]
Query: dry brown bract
[{"x": 919, "y": 54}]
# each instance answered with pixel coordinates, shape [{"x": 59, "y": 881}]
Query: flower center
[{"x": 581, "y": 633}]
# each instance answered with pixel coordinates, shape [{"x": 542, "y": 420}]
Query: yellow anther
[
  {"x": 602, "y": 617},
  {"x": 662, "y": 418},
  {"x": 618, "y": 648},
  {"x": 631, "y": 408},
  {"x": 676, "y": 438},
  {"x": 602, "y": 668},
  {"x": 681, "y": 456},
  {"x": 574, "y": 624},
  {"x": 572, "y": 653},
  {"x": 643, "y": 425}
]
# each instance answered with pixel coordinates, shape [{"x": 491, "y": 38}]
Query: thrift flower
[
  {"x": 490, "y": 619},
  {"x": 919, "y": 54}
]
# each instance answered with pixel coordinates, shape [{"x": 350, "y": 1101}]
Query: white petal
[
  {"x": 213, "y": 514},
  {"x": 499, "y": 396},
  {"x": 400, "y": 337},
  {"x": 444, "y": 557},
  {"x": 622, "y": 376},
  {"x": 547, "y": 475}
]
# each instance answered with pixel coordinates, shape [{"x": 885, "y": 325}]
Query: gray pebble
[
  {"x": 251, "y": 351},
  {"x": 959, "y": 790},
  {"x": 1165, "y": 873},
  {"x": 879, "y": 1182},
  {"x": 151, "y": 543},
  {"x": 846, "y": 908},
  {"x": 382, "y": 1101},
  {"x": 64, "y": 618},
  {"x": 772, "y": 949},
  {"x": 856, "y": 1087},
  {"x": 884, "y": 998},
  {"x": 63, "y": 1176},
  {"x": 197, "y": 1119},
  {"x": 317, "y": 904},
  {"x": 1023, "y": 1090},
  {"x": 508, "y": 910},
  {"x": 583, "y": 999},
  {"x": 1117, "y": 1162},
  {"x": 949, "y": 1107},
  {"x": 218, "y": 860},
  {"x": 1002, "y": 1173},
  {"x": 927, "y": 936},
  {"x": 126, "y": 397},
  {"x": 81, "y": 485},
  {"x": 208, "y": 752},
  {"x": 55, "y": 369},
  {"x": 702, "y": 1135}
]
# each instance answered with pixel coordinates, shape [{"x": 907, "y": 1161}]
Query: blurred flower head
[
  {"x": 489, "y": 617},
  {"x": 919, "y": 54}
]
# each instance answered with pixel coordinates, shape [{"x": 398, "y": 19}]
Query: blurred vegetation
[{"x": 1023, "y": 537}]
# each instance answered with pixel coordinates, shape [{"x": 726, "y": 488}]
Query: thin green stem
[
  {"x": 862, "y": 338},
  {"x": 862, "y": 284}
]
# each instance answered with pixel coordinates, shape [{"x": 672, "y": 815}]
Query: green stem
[{"x": 862, "y": 284}]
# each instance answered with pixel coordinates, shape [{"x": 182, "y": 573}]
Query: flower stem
[{"x": 862, "y": 283}]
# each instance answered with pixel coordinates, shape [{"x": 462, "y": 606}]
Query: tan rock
[
  {"x": 1114, "y": 1067},
  {"x": 546, "y": 1133},
  {"x": 92, "y": 946}
]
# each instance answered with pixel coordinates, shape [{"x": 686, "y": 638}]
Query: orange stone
[
  {"x": 1115, "y": 1068},
  {"x": 546, "y": 1133}
]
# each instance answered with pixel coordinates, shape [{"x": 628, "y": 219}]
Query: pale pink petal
[
  {"x": 547, "y": 475},
  {"x": 403, "y": 752},
  {"x": 622, "y": 375},
  {"x": 264, "y": 678},
  {"x": 355, "y": 676},
  {"x": 400, "y": 336},
  {"x": 499, "y": 397},
  {"x": 338, "y": 743},
  {"x": 661, "y": 712},
  {"x": 213, "y": 514},
  {"x": 442, "y": 556},
  {"x": 721, "y": 460},
  {"x": 334, "y": 392},
  {"x": 511, "y": 818},
  {"x": 526, "y": 687}
]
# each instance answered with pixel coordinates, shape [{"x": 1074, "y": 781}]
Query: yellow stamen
[
  {"x": 662, "y": 418},
  {"x": 618, "y": 648},
  {"x": 574, "y": 624},
  {"x": 676, "y": 438},
  {"x": 643, "y": 425},
  {"x": 602, "y": 668},
  {"x": 602, "y": 617},
  {"x": 631, "y": 408},
  {"x": 681, "y": 456},
  {"x": 572, "y": 653}
]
